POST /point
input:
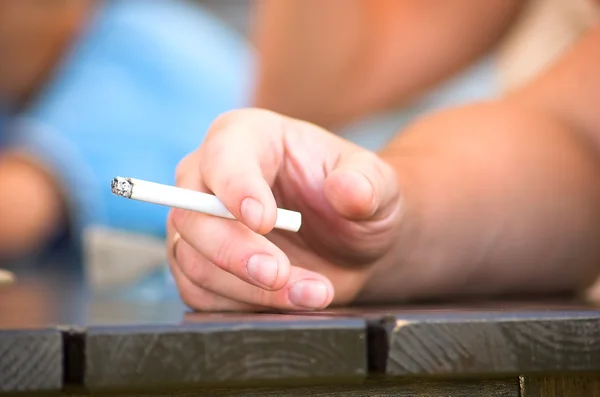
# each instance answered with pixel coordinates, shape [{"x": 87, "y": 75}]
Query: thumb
[{"x": 362, "y": 186}]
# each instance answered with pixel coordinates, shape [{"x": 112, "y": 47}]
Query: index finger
[
  {"x": 229, "y": 245},
  {"x": 239, "y": 161}
]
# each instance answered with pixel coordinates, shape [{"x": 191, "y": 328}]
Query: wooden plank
[
  {"x": 560, "y": 385},
  {"x": 477, "y": 343},
  {"x": 225, "y": 350},
  {"x": 31, "y": 360}
]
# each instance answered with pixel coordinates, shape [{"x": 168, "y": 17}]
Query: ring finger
[
  {"x": 306, "y": 289},
  {"x": 203, "y": 300}
]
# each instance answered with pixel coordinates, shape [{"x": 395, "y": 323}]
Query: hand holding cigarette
[
  {"x": 474, "y": 216},
  {"x": 255, "y": 161}
]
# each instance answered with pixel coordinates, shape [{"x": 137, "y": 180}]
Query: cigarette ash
[{"x": 121, "y": 186}]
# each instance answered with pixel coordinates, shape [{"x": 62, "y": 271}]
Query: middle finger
[{"x": 235, "y": 248}]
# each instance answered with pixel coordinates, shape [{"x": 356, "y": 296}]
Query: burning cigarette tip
[{"x": 121, "y": 186}]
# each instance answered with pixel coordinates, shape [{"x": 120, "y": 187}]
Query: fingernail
[
  {"x": 311, "y": 294},
  {"x": 263, "y": 268},
  {"x": 252, "y": 212}
]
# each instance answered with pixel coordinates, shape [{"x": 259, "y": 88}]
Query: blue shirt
[{"x": 134, "y": 95}]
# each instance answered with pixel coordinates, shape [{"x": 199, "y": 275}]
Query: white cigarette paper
[{"x": 171, "y": 196}]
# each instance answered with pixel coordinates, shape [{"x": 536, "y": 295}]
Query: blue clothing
[{"x": 134, "y": 95}]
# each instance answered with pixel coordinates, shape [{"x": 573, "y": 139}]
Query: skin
[
  {"x": 33, "y": 36},
  {"x": 31, "y": 206},
  {"x": 491, "y": 198},
  {"x": 331, "y": 62}
]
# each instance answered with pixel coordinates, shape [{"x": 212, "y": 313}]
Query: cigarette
[{"x": 171, "y": 196}]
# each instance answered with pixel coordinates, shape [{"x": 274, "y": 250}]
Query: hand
[{"x": 256, "y": 161}]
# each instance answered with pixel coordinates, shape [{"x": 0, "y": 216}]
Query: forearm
[
  {"x": 30, "y": 205},
  {"x": 498, "y": 198},
  {"x": 503, "y": 197},
  {"x": 570, "y": 88},
  {"x": 330, "y": 62},
  {"x": 308, "y": 49}
]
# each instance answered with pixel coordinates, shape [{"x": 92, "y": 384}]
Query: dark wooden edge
[
  {"x": 31, "y": 360},
  {"x": 74, "y": 355},
  {"x": 381, "y": 387},
  {"x": 395, "y": 347},
  {"x": 410, "y": 346},
  {"x": 550, "y": 385},
  {"x": 378, "y": 344},
  {"x": 87, "y": 352}
]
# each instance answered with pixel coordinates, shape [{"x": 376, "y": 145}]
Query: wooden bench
[{"x": 57, "y": 340}]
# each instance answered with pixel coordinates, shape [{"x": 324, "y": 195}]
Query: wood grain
[
  {"x": 560, "y": 385},
  {"x": 285, "y": 349},
  {"x": 507, "y": 344},
  {"x": 30, "y": 360}
]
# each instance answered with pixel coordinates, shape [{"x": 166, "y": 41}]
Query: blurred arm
[
  {"x": 503, "y": 196},
  {"x": 570, "y": 89},
  {"x": 31, "y": 206},
  {"x": 331, "y": 61}
]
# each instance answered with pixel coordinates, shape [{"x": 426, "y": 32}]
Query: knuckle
[
  {"x": 385, "y": 169},
  {"x": 225, "y": 121},
  {"x": 367, "y": 158},
  {"x": 183, "y": 168},
  {"x": 170, "y": 226},
  {"x": 262, "y": 297},
  {"x": 245, "y": 118},
  {"x": 232, "y": 187},
  {"x": 178, "y": 219},
  {"x": 381, "y": 168},
  {"x": 198, "y": 274},
  {"x": 236, "y": 115},
  {"x": 179, "y": 173},
  {"x": 193, "y": 266},
  {"x": 224, "y": 254},
  {"x": 378, "y": 171}
]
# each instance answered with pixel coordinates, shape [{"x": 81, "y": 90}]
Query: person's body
[
  {"x": 495, "y": 197},
  {"x": 364, "y": 69},
  {"x": 95, "y": 89}
]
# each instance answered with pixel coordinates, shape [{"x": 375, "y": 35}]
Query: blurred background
[{"x": 92, "y": 89}]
